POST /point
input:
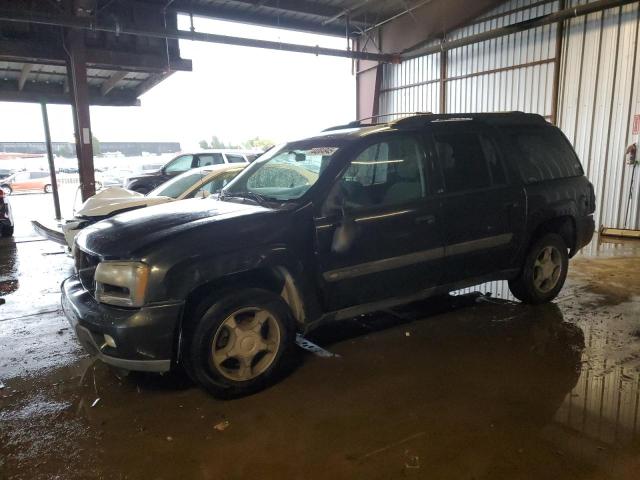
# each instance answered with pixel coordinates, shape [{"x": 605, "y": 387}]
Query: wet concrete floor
[{"x": 461, "y": 388}]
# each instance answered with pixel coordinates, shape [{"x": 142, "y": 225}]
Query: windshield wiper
[{"x": 255, "y": 197}]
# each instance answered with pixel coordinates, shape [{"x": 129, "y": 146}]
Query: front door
[
  {"x": 386, "y": 241},
  {"x": 483, "y": 211}
]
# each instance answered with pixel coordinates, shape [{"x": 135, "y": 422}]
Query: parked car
[
  {"x": 4, "y": 173},
  {"x": 197, "y": 183},
  {"x": 6, "y": 217},
  {"x": 27, "y": 181},
  {"x": 146, "y": 182},
  {"x": 347, "y": 222}
]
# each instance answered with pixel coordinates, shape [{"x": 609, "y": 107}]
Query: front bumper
[{"x": 144, "y": 337}]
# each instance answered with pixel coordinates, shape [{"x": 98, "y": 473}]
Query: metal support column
[
  {"x": 556, "y": 67},
  {"x": 444, "y": 66},
  {"x": 79, "y": 92},
  {"x": 52, "y": 168}
]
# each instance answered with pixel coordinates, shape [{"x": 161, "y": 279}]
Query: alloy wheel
[
  {"x": 245, "y": 344},
  {"x": 547, "y": 269}
]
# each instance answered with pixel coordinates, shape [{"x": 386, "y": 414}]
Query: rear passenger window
[
  {"x": 210, "y": 159},
  {"x": 463, "y": 160},
  {"x": 546, "y": 154},
  {"x": 235, "y": 158}
]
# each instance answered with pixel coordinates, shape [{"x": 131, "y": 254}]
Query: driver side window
[
  {"x": 385, "y": 173},
  {"x": 180, "y": 164}
]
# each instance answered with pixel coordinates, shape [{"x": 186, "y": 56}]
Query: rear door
[
  {"x": 387, "y": 242},
  {"x": 483, "y": 211}
]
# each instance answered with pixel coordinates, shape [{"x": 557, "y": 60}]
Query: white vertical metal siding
[
  {"x": 598, "y": 100},
  {"x": 412, "y": 86},
  {"x": 599, "y": 88},
  {"x": 514, "y": 72}
]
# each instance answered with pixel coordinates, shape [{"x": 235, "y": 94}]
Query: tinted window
[
  {"x": 463, "y": 161},
  {"x": 210, "y": 159},
  {"x": 39, "y": 174},
  {"x": 496, "y": 168},
  {"x": 386, "y": 173},
  {"x": 546, "y": 154},
  {"x": 180, "y": 164},
  {"x": 235, "y": 158}
]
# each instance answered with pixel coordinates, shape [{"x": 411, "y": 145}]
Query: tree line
[{"x": 251, "y": 144}]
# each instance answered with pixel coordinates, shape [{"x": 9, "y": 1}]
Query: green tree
[
  {"x": 203, "y": 144},
  {"x": 95, "y": 144},
  {"x": 216, "y": 143},
  {"x": 257, "y": 142}
]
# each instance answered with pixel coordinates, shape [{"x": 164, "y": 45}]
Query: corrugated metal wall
[
  {"x": 598, "y": 89},
  {"x": 412, "y": 86},
  {"x": 508, "y": 73},
  {"x": 598, "y": 99}
]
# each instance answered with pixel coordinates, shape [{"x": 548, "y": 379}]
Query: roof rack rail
[
  {"x": 491, "y": 117},
  {"x": 363, "y": 121}
]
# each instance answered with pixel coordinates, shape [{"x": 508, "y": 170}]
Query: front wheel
[
  {"x": 7, "y": 189},
  {"x": 544, "y": 271},
  {"x": 241, "y": 344}
]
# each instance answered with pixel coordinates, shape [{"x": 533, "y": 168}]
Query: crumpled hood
[
  {"x": 113, "y": 199},
  {"x": 133, "y": 234}
]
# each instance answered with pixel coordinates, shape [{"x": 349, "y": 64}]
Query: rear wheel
[
  {"x": 544, "y": 271},
  {"x": 7, "y": 189},
  {"x": 48, "y": 189},
  {"x": 241, "y": 344}
]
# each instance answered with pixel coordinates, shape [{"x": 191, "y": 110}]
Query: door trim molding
[
  {"x": 376, "y": 266},
  {"x": 390, "y": 263}
]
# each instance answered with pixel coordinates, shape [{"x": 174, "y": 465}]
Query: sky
[{"x": 235, "y": 93}]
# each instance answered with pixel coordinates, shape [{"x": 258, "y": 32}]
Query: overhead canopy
[{"x": 120, "y": 68}]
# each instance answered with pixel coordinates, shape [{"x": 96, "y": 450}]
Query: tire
[
  {"x": 7, "y": 231},
  {"x": 48, "y": 189},
  {"x": 240, "y": 344},
  {"x": 544, "y": 271},
  {"x": 7, "y": 189}
]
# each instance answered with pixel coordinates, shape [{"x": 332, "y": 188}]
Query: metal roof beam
[
  {"x": 112, "y": 82},
  {"x": 174, "y": 34},
  {"x": 47, "y": 54},
  {"x": 53, "y": 93},
  {"x": 24, "y": 74},
  {"x": 258, "y": 17},
  {"x": 286, "y": 6}
]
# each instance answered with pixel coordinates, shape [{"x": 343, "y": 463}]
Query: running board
[{"x": 49, "y": 233}]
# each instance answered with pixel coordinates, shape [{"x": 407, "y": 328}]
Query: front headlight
[{"x": 122, "y": 283}]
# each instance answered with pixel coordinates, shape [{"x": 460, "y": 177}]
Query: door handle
[{"x": 428, "y": 219}]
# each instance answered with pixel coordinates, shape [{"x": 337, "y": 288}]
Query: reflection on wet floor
[{"x": 467, "y": 386}]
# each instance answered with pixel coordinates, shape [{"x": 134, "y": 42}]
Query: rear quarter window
[{"x": 544, "y": 154}]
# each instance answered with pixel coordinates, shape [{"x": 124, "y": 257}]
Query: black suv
[{"x": 354, "y": 220}]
